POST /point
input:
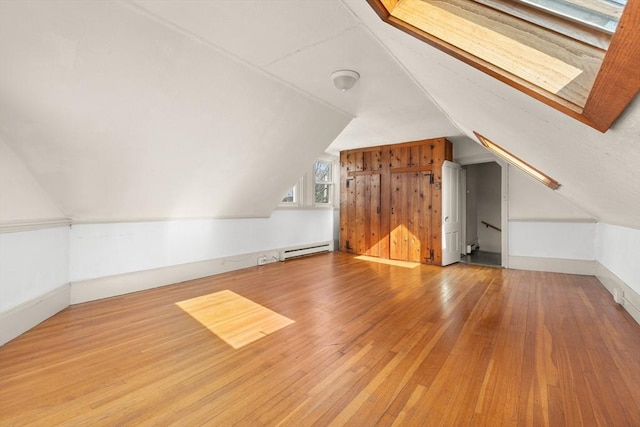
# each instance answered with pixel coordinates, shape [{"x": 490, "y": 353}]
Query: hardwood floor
[{"x": 372, "y": 344}]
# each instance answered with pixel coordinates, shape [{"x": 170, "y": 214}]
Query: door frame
[
  {"x": 504, "y": 201},
  {"x": 463, "y": 210}
]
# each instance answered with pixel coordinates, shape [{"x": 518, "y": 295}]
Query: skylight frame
[
  {"x": 616, "y": 84},
  {"x": 518, "y": 162}
]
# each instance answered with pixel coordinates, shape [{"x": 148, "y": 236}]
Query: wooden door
[
  {"x": 363, "y": 204},
  {"x": 410, "y": 217},
  {"x": 390, "y": 200}
]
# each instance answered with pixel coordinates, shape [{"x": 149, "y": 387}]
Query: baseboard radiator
[{"x": 304, "y": 250}]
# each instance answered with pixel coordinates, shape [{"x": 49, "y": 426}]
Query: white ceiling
[
  {"x": 302, "y": 43},
  {"x": 162, "y": 109}
]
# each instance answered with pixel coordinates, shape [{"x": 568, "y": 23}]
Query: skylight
[
  {"x": 565, "y": 53},
  {"x": 518, "y": 162}
]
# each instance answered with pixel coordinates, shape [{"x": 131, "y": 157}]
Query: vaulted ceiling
[{"x": 125, "y": 110}]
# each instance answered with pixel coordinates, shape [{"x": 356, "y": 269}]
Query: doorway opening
[{"x": 482, "y": 211}]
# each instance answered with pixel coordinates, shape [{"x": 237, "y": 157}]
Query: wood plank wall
[{"x": 391, "y": 200}]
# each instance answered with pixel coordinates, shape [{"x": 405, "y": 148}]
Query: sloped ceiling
[
  {"x": 120, "y": 117},
  {"x": 599, "y": 172},
  {"x": 130, "y": 111},
  {"x": 22, "y": 199},
  {"x": 126, "y": 110},
  {"x": 302, "y": 43}
]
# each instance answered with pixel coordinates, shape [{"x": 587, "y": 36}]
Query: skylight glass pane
[
  {"x": 290, "y": 197},
  {"x": 602, "y": 15}
]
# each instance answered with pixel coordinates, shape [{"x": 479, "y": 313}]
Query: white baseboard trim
[
  {"x": 627, "y": 297},
  {"x": 21, "y": 318},
  {"x": 110, "y": 286},
  {"x": 553, "y": 265}
]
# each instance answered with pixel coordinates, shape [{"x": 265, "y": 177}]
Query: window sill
[{"x": 306, "y": 208}]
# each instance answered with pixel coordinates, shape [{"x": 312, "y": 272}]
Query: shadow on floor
[{"x": 483, "y": 258}]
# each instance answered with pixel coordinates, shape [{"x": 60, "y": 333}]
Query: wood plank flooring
[
  {"x": 372, "y": 345},
  {"x": 235, "y": 319}
]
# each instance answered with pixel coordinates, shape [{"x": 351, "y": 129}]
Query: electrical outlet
[{"x": 262, "y": 260}]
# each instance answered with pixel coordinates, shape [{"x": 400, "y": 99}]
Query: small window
[
  {"x": 291, "y": 196},
  {"x": 518, "y": 162},
  {"x": 316, "y": 188},
  {"x": 323, "y": 175}
]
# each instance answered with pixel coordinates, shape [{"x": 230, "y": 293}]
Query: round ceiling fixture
[{"x": 344, "y": 79}]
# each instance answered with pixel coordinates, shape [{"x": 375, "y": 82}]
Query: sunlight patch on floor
[
  {"x": 235, "y": 319},
  {"x": 404, "y": 264}
]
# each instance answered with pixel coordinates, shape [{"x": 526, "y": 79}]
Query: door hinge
[
  {"x": 430, "y": 178},
  {"x": 348, "y": 180},
  {"x": 429, "y": 259}
]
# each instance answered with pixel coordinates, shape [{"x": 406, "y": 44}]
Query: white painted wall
[
  {"x": 489, "y": 206},
  {"x": 99, "y": 250},
  {"x": 35, "y": 262},
  {"x": 467, "y": 151},
  {"x": 529, "y": 199},
  {"x": 544, "y": 224},
  {"x": 564, "y": 240},
  {"x": 21, "y": 196},
  {"x": 472, "y": 204},
  {"x": 484, "y": 204},
  {"x": 618, "y": 249},
  {"x": 32, "y": 263},
  {"x": 120, "y": 117}
]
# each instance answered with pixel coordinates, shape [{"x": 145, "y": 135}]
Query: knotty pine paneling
[{"x": 402, "y": 220}]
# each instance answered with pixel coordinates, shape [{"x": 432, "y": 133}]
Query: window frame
[
  {"x": 330, "y": 184},
  {"x": 306, "y": 187},
  {"x": 298, "y": 195}
]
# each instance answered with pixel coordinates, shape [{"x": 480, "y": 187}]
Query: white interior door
[
  {"x": 463, "y": 211},
  {"x": 451, "y": 215}
]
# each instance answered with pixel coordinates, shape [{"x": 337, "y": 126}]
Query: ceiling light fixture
[
  {"x": 344, "y": 79},
  {"x": 517, "y": 162}
]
